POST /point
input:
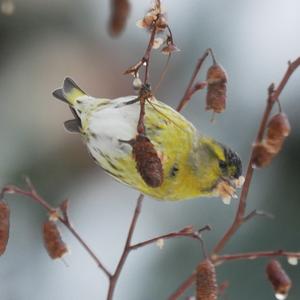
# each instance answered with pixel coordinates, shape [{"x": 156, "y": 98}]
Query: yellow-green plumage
[
  {"x": 173, "y": 137},
  {"x": 190, "y": 161}
]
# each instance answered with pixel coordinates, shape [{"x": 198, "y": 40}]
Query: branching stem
[
  {"x": 114, "y": 278},
  {"x": 189, "y": 90},
  {"x": 240, "y": 217},
  {"x": 32, "y": 193},
  {"x": 240, "y": 214},
  {"x": 254, "y": 255}
]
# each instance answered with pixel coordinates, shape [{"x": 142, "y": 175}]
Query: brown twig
[
  {"x": 126, "y": 250},
  {"x": 32, "y": 193},
  {"x": 144, "y": 61},
  {"x": 189, "y": 90},
  {"x": 183, "y": 287},
  {"x": 240, "y": 217},
  {"x": 188, "y": 231},
  {"x": 254, "y": 255},
  {"x": 257, "y": 213},
  {"x": 273, "y": 96}
]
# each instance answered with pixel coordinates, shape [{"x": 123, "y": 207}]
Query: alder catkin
[
  {"x": 147, "y": 160},
  {"x": 216, "y": 88},
  {"x": 278, "y": 129},
  {"x": 261, "y": 156},
  {"x": 279, "y": 279},
  {"x": 206, "y": 281},
  {"x": 4, "y": 226},
  {"x": 53, "y": 242}
]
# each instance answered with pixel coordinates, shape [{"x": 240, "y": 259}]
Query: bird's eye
[{"x": 222, "y": 164}]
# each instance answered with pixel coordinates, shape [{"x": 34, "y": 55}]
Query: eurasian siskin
[{"x": 193, "y": 165}]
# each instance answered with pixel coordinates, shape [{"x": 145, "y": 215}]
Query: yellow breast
[{"x": 174, "y": 139}]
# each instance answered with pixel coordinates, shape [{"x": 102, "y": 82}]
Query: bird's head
[
  {"x": 223, "y": 166},
  {"x": 230, "y": 164}
]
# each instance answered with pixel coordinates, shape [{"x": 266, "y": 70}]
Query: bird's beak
[{"x": 226, "y": 188}]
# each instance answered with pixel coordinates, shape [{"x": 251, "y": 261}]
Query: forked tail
[{"x": 69, "y": 93}]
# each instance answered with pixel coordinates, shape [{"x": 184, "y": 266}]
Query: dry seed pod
[
  {"x": 216, "y": 97},
  {"x": 147, "y": 160},
  {"x": 4, "y": 226},
  {"x": 170, "y": 48},
  {"x": 278, "y": 129},
  {"x": 119, "y": 13},
  {"x": 279, "y": 126},
  {"x": 279, "y": 279},
  {"x": 216, "y": 74},
  {"x": 161, "y": 23},
  {"x": 262, "y": 156},
  {"x": 206, "y": 281},
  {"x": 217, "y": 88},
  {"x": 54, "y": 245}
]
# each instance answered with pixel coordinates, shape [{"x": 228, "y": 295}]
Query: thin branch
[
  {"x": 188, "y": 231},
  {"x": 145, "y": 60},
  {"x": 189, "y": 91},
  {"x": 257, "y": 213},
  {"x": 32, "y": 193},
  {"x": 240, "y": 214},
  {"x": 254, "y": 255},
  {"x": 115, "y": 276},
  {"x": 273, "y": 97}
]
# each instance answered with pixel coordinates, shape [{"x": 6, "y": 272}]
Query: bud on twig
[
  {"x": 206, "y": 282},
  {"x": 4, "y": 226},
  {"x": 147, "y": 160},
  {"x": 279, "y": 279},
  {"x": 216, "y": 88},
  {"x": 54, "y": 245}
]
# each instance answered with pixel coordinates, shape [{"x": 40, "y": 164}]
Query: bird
[{"x": 192, "y": 164}]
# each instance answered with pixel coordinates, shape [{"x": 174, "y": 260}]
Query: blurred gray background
[{"x": 41, "y": 43}]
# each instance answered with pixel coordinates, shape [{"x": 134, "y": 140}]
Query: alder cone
[
  {"x": 216, "y": 96},
  {"x": 280, "y": 280},
  {"x": 54, "y": 244},
  {"x": 119, "y": 13},
  {"x": 279, "y": 126},
  {"x": 4, "y": 226},
  {"x": 262, "y": 156},
  {"x": 206, "y": 281},
  {"x": 216, "y": 74},
  {"x": 148, "y": 163}
]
